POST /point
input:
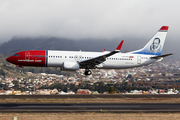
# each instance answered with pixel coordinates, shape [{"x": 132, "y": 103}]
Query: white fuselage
[{"x": 117, "y": 61}]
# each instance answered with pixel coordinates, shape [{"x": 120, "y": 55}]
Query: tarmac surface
[
  {"x": 89, "y": 107},
  {"x": 94, "y": 96}
]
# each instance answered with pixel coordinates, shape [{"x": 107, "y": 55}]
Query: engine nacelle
[{"x": 70, "y": 66}]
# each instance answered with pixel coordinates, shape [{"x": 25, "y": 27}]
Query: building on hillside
[
  {"x": 54, "y": 91},
  {"x": 9, "y": 92},
  {"x": 16, "y": 92},
  {"x": 66, "y": 93},
  {"x": 44, "y": 92},
  {"x": 83, "y": 91},
  {"x": 2, "y": 92}
]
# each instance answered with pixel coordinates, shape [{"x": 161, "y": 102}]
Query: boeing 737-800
[{"x": 75, "y": 60}]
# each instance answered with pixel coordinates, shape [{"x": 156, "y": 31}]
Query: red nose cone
[
  {"x": 11, "y": 59},
  {"x": 8, "y": 59}
]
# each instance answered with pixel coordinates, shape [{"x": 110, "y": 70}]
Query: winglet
[
  {"x": 119, "y": 46},
  {"x": 104, "y": 50}
]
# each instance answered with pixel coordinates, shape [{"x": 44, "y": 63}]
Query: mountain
[{"x": 20, "y": 44}]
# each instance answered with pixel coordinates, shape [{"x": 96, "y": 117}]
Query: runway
[{"x": 89, "y": 107}]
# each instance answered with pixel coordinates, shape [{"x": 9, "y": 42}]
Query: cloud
[{"x": 79, "y": 19}]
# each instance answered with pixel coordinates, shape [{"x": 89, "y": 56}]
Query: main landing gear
[{"x": 87, "y": 71}]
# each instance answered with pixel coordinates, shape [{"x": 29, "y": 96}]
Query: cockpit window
[{"x": 16, "y": 55}]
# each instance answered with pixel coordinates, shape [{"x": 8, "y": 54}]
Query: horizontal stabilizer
[{"x": 161, "y": 56}]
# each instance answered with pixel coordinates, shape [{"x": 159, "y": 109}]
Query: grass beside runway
[
  {"x": 90, "y": 100},
  {"x": 90, "y": 116}
]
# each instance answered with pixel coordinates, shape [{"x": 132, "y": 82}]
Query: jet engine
[{"x": 70, "y": 66}]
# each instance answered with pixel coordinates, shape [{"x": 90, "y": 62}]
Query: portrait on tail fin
[{"x": 155, "y": 46}]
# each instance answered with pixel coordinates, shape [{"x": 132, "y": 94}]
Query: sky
[{"x": 82, "y": 19}]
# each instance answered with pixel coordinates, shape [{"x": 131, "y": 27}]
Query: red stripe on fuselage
[{"x": 29, "y": 58}]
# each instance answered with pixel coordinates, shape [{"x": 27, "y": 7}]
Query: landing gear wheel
[{"x": 87, "y": 72}]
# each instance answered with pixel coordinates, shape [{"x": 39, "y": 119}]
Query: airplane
[{"x": 75, "y": 60}]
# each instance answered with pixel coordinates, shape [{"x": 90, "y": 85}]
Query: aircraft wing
[{"x": 99, "y": 59}]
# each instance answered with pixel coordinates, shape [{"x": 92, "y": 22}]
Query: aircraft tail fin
[{"x": 156, "y": 43}]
